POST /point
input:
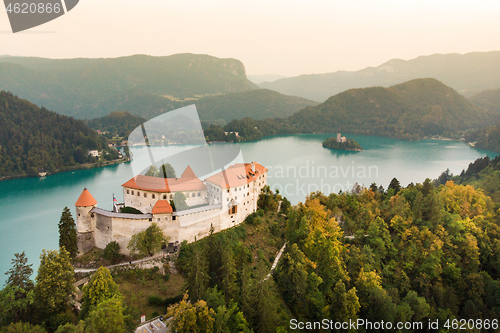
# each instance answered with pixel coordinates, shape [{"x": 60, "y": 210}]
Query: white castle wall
[
  {"x": 84, "y": 221},
  {"x": 99, "y": 227},
  {"x": 145, "y": 200}
]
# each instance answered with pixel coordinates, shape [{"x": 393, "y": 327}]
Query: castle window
[
  {"x": 132, "y": 192},
  {"x": 199, "y": 194},
  {"x": 153, "y": 196},
  {"x": 227, "y": 190},
  {"x": 138, "y": 193},
  {"x": 164, "y": 197},
  {"x": 192, "y": 195},
  {"x": 174, "y": 217},
  {"x": 128, "y": 191},
  {"x": 159, "y": 219},
  {"x": 145, "y": 195}
]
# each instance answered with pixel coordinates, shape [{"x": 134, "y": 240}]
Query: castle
[{"x": 222, "y": 201}]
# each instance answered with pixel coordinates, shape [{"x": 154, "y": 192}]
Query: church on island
[{"x": 222, "y": 200}]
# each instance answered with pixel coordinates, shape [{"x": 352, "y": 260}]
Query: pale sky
[{"x": 270, "y": 37}]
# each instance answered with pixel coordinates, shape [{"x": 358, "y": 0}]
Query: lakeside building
[{"x": 222, "y": 201}]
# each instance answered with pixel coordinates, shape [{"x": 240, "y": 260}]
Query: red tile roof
[
  {"x": 188, "y": 173},
  {"x": 86, "y": 199},
  {"x": 237, "y": 175},
  {"x": 162, "y": 207},
  {"x": 155, "y": 184}
]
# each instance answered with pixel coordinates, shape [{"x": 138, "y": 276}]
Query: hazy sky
[{"x": 269, "y": 37}]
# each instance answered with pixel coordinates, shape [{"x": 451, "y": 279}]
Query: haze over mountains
[
  {"x": 78, "y": 87},
  {"x": 146, "y": 86},
  {"x": 468, "y": 74}
]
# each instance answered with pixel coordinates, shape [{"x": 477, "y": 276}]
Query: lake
[{"x": 298, "y": 164}]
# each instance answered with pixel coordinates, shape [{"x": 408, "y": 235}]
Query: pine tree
[
  {"x": 17, "y": 297},
  {"x": 166, "y": 171},
  {"x": 197, "y": 277},
  {"x": 394, "y": 185},
  {"x": 228, "y": 274},
  {"x": 67, "y": 233},
  {"x": 20, "y": 273}
]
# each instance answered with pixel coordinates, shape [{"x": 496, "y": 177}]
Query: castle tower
[{"x": 84, "y": 221}]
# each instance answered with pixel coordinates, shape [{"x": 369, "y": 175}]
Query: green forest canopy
[
  {"x": 409, "y": 111},
  {"x": 33, "y": 138}
]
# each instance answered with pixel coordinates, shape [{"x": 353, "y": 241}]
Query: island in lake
[{"x": 341, "y": 143}]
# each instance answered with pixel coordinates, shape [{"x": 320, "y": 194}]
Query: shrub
[
  {"x": 112, "y": 252},
  {"x": 130, "y": 210},
  {"x": 155, "y": 301}
]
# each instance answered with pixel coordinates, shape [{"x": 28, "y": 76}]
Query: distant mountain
[
  {"x": 258, "y": 79},
  {"x": 32, "y": 138},
  {"x": 410, "y": 111},
  {"x": 78, "y": 87},
  {"x": 488, "y": 100},
  {"x": 468, "y": 74}
]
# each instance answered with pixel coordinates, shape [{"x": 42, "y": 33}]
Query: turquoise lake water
[{"x": 298, "y": 164}]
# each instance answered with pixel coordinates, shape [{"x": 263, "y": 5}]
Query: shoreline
[{"x": 73, "y": 168}]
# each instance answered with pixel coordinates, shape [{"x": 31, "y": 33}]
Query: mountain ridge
[
  {"x": 467, "y": 73},
  {"x": 77, "y": 86}
]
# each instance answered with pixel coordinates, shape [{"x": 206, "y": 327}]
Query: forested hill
[
  {"x": 487, "y": 138},
  {"x": 409, "y": 111},
  {"x": 120, "y": 123},
  {"x": 467, "y": 73},
  {"x": 78, "y": 87},
  {"x": 32, "y": 138},
  {"x": 255, "y": 104},
  {"x": 220, "y": 109},
  {"x": 488, "y": 100}
]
